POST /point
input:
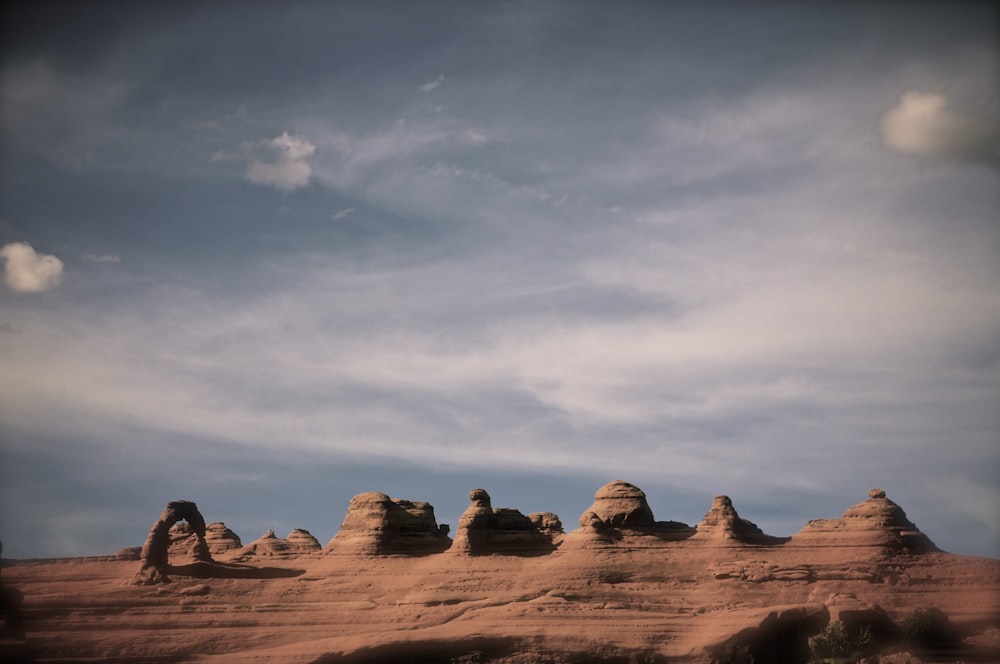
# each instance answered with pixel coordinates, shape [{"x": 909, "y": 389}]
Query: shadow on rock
[
  {"x": 484, "y": 650},
  {"x": 217, "y": 570}
]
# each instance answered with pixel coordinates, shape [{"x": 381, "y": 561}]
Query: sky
[{"x": 267, "y": 256}]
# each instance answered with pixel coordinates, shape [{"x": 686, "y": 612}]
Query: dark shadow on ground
[
  {"x": 482, "y": 650},
  {"x": 217, "y": 570}
]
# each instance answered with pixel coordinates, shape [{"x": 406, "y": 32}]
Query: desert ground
[{"x": 392, "y": 586}]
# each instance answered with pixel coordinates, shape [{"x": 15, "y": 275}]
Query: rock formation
[
  {"x": 218, "y": 538},
  {"x": 877, "y": 522},
  {"x": 153, "y": 557},
  {"x": 620, "y": 509},
  {"x": 619, "y": 504},
  {"x": 221, "y": 539},
  {"x": 723, "y": 525},
  {"x": 547, "y": 522},
  {"x": 379, "y": 525},
  {"x": 303, "y": 540},
  {"x": 485, "y": 530},
  {"x": 621, "y": 588},
  {"x": 299, "y": 542}
]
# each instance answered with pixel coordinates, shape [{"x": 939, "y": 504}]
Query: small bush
[
  {"x": 835, "y": 643},
  {"x": 930, "y": 629}
]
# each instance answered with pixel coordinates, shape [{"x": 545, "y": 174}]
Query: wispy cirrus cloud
[
  {"x": 433, "y": 84},
  {"x": 102, "y": 258}
]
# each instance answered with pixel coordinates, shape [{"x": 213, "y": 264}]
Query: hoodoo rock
[
  {"x": 620, "y": 509},
  {"x": 221, "y": 539},
  {"x": 298, "y": 542},
  {"x": 155, "y": 551},
  {"x": 484, "y": 530},
  {"x": 877, "y": 522},
  {"x": 379, "y": 525},
  {"x": 622, "y": 505},
  {"x": 723, "y": 525},
  {"x": 303, "y": 541}
]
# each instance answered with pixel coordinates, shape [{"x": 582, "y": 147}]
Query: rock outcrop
[
  {"x": 379, "y": 525},
  {"x": 484, "y": 530},
  {"x": 303, "y": 541},
  {"x": 723, "y": 526},
  {"x": 619, "y": 504},
  {"x": 547, "y": 522},
  {"x": 219, "y": 539},
  {"x": 155, "y": 551},
  {"x": 619, "y": 510},
  {"x": 877, "y": 522},
  {"x": 299, "y": 542}
]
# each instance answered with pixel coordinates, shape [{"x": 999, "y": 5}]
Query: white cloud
[
  {"x": 923, "y": 124},
  {"x": 282, "y": 163},
  {"x": 340, "y": 214},
  {"x": 27, "y": 271}
]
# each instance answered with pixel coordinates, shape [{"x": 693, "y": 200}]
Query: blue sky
[{"x": 266, "y": 257}]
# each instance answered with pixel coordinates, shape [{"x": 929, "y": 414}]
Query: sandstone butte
[{"x": 393, "y": 586}]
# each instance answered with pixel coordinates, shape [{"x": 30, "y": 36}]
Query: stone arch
[{"x": 153, "y": 565}]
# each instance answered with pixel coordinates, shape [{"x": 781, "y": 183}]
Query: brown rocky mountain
[{"x": 391, "y": 586}]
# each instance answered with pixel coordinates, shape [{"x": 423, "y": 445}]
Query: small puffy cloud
[
  {"x": 340, "y": 214},
  {"x": 281, "y": 163},
  {"x": 27, "y": 271},
  {"x": 923, "y": 124}
]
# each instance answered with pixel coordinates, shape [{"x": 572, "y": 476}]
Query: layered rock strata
[
  {"x": 620, "y": 510},
  {"x": 876, "y": 522},
  {"x": 299, "y": 542},
  {"x": 484, "y": 530},
  {"x": 218, "y": 538},
  {"x": 376, "y": 524}
]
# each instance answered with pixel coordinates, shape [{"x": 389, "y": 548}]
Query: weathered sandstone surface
[
  {"x": 378, "y": 525},
  {"x": 722, "y": 525},
  {"x": 299, "y": 542},
  {"x": 184, "y": 541},
  {"x": 483, "y": 529},
  {"x": 620, "y": 515},
  {"x": 876, "y": 522},
  {"x": 622, "y": 587}
]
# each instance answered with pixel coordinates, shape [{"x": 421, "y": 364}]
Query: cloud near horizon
[{"x": 27, "y": 271}]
